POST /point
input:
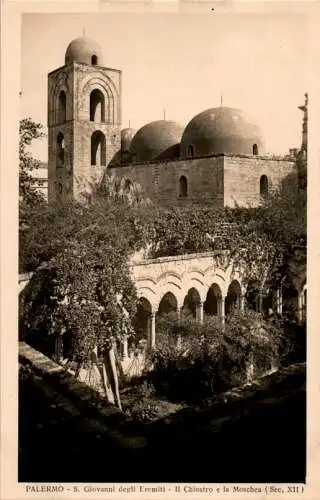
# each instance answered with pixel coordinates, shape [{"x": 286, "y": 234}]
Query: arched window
[
  {"x": 60, "y": 188},
  {"x": 98, "y": 148},
  {"x": 183, "y": 187},
  {"x": 62, "y": 110},
  {"x": 264, "y": 188},
  {"x": 94, "y": 60},
  {"x": 97, "y": 106},
  {"x": 60, "y": 150},
  {"x": 255, "y": 149},
  {"x": 190, "y": 150}
]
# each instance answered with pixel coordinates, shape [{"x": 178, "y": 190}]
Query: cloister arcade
[
  {"x": 199, "y": 285},
  {"x": 189, "y": 285}
]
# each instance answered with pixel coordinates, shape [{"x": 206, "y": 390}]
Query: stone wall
[
  {"x": 242, "y": 178},
  {"x": 160, "y": 180},
  {"x": 216, "y": 181}
]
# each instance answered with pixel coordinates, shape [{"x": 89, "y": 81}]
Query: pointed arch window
[
  {"x": 94, "y": 60},
  {"x": 255, "y": 150},
  {"x": 97, "y": 106},
  {"x": 60, "y": 150},
  {"x": 264, "y": 186},
  {"x": 183, "y": 187},
  {"x": 62, "y": 107},
  {"x": 98, "y": 148}
]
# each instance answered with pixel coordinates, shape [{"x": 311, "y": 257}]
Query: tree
[
  {"x": 83, "y": 288},
  {"x": 28, "y": 132}
]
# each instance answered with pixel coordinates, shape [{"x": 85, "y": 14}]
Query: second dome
[
  {"x": 160, "y": 138},
  {"x": 220, "y": 130}
]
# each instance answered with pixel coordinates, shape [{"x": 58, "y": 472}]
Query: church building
[{"x": 217, "y": 160}]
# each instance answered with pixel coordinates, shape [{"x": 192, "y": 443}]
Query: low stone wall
[{"x": 108, "y": 418}]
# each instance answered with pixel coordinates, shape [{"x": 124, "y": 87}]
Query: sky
[{"x": 181, "y": 62}]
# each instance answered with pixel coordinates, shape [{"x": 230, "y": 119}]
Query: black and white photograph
[{"x": 161, "y": 332}]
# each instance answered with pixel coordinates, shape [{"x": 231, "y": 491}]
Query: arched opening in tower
[
  {"x": 60, "y": 150},
  {"x": 255, "y": 149},
  {"x": 233, "y": 297},
  {"x": 98, "y": 149},
  {"x": 264, "y": 186},
  {"x": 94, "y": 60},
  {"x": 183, "y": 187},
  {"x": 62, "y": 107},
  {"x": 97, "y": 106}
]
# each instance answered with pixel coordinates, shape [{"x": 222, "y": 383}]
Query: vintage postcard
[{"x": 159, "y": 267}]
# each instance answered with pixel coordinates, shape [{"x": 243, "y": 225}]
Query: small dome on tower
[
  {"x": 127, "y": 135},
  {"x": 157, "y": 139},
  {"x": 85, "y": 51},
  {"x": 220, "y": 130}
]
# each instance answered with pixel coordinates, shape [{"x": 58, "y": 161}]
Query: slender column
[
  {"x": 152, "y": 329},
  {"x": 59, "y": 348},
  {"x": 300, "y": 307},
  {"x": 260, "y": 302},
  {"x": 222, "y": 312},
  {"x": 199, "y": 312},
  {"x": 242, "y": 302},
  {"x": 279, "y": 301},
  {"x": 179, "y": 312},
  {"x": 125, "y": 349}
]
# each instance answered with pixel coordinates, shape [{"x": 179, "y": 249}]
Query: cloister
[{"x": 198, "y": 284}]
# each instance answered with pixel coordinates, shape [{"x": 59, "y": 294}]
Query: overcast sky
[{"x": 181, "y": 62}]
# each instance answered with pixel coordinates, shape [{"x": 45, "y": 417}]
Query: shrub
[
  {"x": 142, "y": 406},
  {"x": 193, "y": 361}
]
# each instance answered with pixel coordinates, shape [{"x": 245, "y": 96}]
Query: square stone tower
[{"x": 84, "y": 122}]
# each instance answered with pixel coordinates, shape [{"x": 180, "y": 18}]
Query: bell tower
[{"x": 84, "y": 122}]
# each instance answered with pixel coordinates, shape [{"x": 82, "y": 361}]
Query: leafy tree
[
  {"x": 28, "y": 132},
  {"x": 83, "y": 288}
]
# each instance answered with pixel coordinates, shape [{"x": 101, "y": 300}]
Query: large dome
[
  {"x": 83, "y": 50},
  {"x": 158, "y": 139},
  {"x": 220, "y": 130}
]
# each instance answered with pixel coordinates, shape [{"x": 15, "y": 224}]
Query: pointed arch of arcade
[
  {"x": 192, "y": 304},
  {"x": 233, "y": 297},
  {"x": 98, "y": 148},
  {"x": 97, "y": 106},
  {"x": 212, "y": 305}
]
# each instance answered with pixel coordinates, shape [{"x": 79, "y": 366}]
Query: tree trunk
[
  {"x": 110, "y": 370},
  {"x": 103, "y": 375}
]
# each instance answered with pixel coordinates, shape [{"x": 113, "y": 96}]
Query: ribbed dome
[
  {"x": 127, "y": 135},
  {"x": 158, "y": 138},
  {"x": 220, "y": 130},
  {"x": 83, "y": 50}
]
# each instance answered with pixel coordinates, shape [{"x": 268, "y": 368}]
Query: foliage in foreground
[{"x": 193, "y": 361}]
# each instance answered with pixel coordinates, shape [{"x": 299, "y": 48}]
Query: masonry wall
[
  {"x": 160, "y": 180},
  {"x": 242, "y": 178}
]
